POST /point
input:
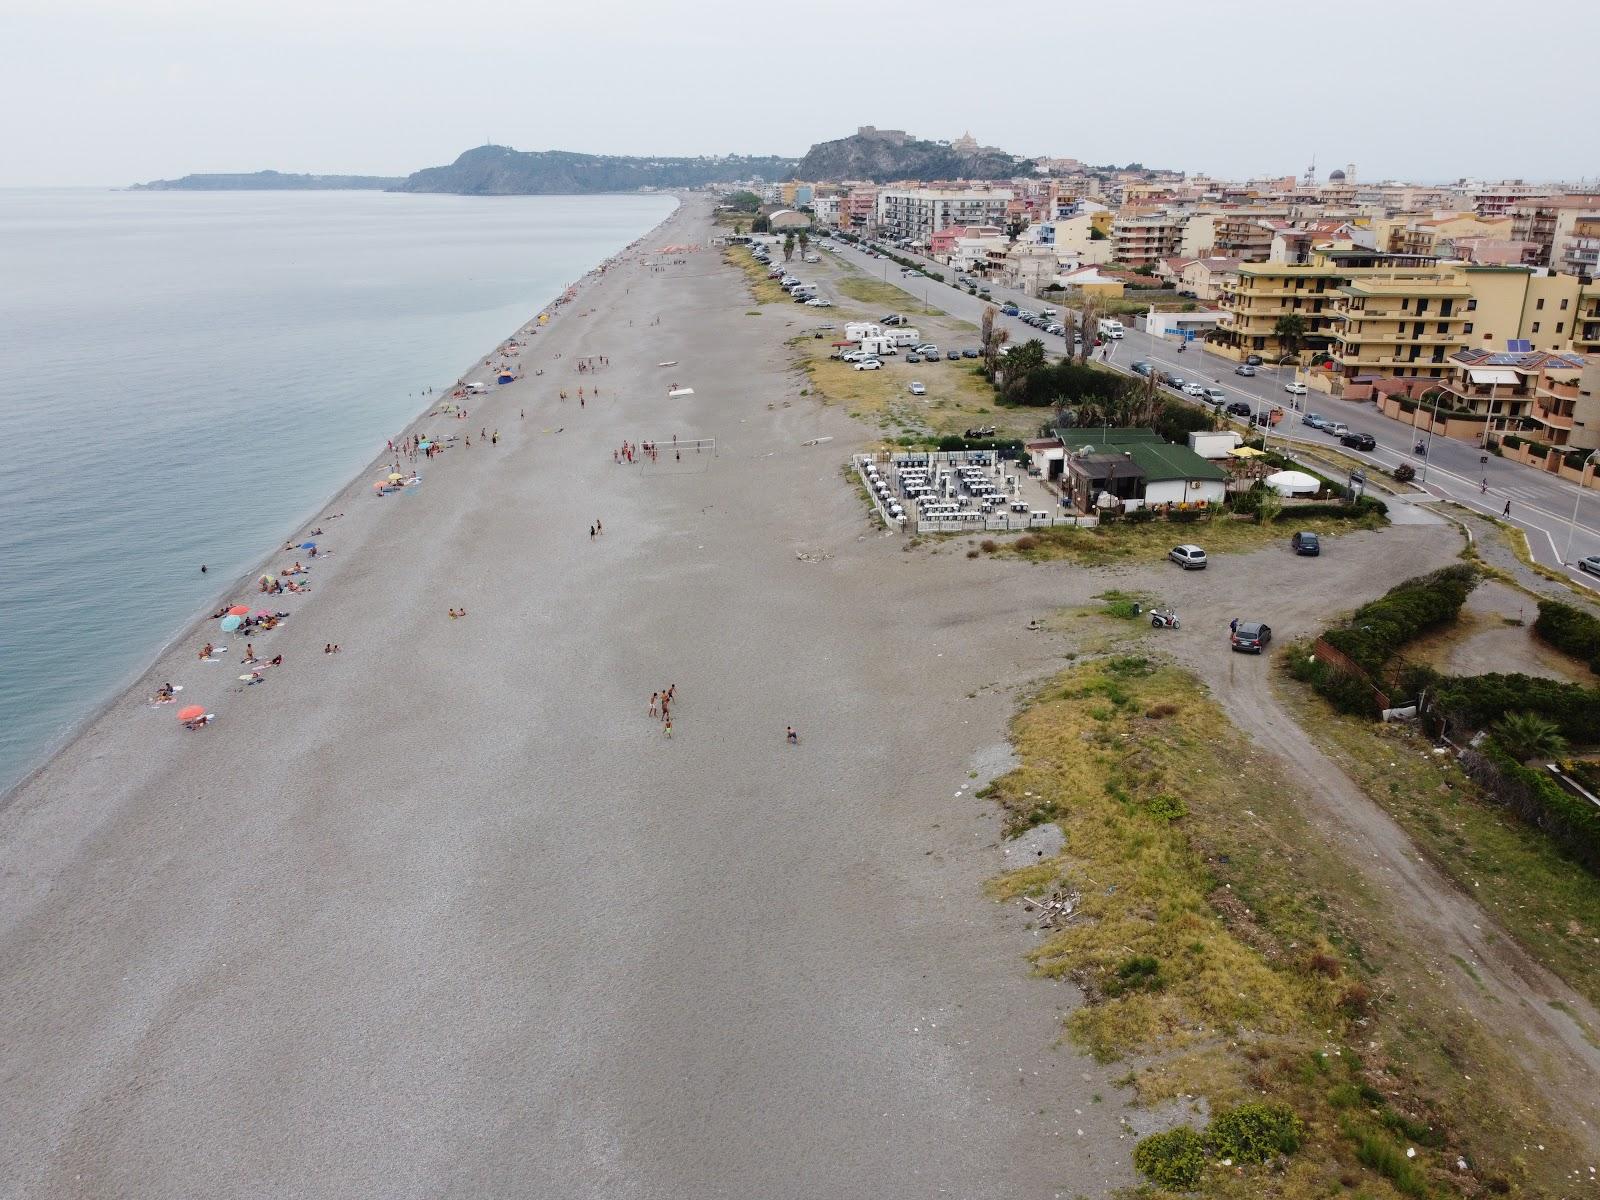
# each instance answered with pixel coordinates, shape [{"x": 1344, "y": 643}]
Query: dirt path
[{"x": 1507, "y": 991}]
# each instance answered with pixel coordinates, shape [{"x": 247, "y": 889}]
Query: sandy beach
[{"x": 446, "y": 914}]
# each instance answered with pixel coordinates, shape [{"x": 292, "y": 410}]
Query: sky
[{"x": 111, "y": 92}]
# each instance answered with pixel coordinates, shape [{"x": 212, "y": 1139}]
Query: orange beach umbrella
[
  {"x": 239, "y": 610},
  {"x": 193, "y": 713}
]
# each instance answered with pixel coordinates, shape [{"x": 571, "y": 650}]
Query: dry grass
[
  {"x": 878, "y": 294},
  {"x": 1229, "y": 950},
  {"x": 1150, "y": 541},
  {"x": 956, "y": 397},
  {"x": 762, "y": 289}
]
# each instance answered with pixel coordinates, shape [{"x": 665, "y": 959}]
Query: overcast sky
[{"x": 118, "y": 91}]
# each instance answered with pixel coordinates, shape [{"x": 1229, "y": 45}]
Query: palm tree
[
  {"x": 1290, "y": 330},
  {"x": 1526, "y": 735},
  {"x": 805, "y": 240},
  {"x": 788, "y": 246}
]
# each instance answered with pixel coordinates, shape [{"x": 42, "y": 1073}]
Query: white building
[
  {"x": 826, "y": 209},
  {"x": 917, "y": 213}
]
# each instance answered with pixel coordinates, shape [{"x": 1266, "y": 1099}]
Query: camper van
[
  {"x": 906, "y": 337},
  {"x": 1111, "y": 329}
]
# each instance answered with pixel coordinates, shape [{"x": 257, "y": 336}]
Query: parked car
[
  {"x": 1590, "y": 564},
  {"x": 1337, "y": 428},
  {"x": 955, "y": 354},
  {"x": 928, "y": 350},
  {"x": 868, "y": 364},
  {"x": 819, "y": 302},
  {"x": 1177, "y": 382},
  {"x": 1142, "y": 368},
  {"x": 1194, "y": 389},
  {"x": 1250, "y": 637},
  {"x": 1295, "y": 388},
  {"x": 1190, "y": 558},
  {"x": 1216, "y": 395},
  {"x": 969, "y": 353},
  {"x": 1244, "y": 369},
  {"x": 1010, "y": 310},
  {"x": 1359, "y": 441},
  {"x": 1252, "y": 360},
  {"x": 1307, "y": 543},
  {"x": 1315, "y": 420},
  {"x": 917, "y": 389},
  {"x": 892, "y": 319},
  {"x": 1239, "y": 408},
  {"x": 913, "y": 357}
]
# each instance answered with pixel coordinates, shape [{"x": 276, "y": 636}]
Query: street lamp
[
  {"x": 1432, "y": 425},
  {"x": 1566, "y": 554}
]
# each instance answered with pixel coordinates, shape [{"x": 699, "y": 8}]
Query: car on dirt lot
[
  {"x": 1189, "y": 557},
  {"x": 1250, "y": 637},
  {"x": 869, "y": 364},
  {"x": 917, "y": 389},
  {"x": 1307, "y": 543},
  {"x": 969, "y": 353}
]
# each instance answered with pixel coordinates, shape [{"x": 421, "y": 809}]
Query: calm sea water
[{"x": 185, "y": 376}]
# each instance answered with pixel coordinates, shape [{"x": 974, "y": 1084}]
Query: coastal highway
[{"x": 1541, "y": 504}]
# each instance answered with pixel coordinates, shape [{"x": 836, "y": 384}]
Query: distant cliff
[
  {"x": 888, "y": 156},
  {"x": 502, "y": 171},
  {"x": 269, "y": 181}
]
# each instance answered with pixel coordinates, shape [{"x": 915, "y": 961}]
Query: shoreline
[{"x": 130, "y": 683}]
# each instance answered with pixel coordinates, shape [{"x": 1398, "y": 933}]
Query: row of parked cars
[
  {"x": 802, "y": 292},
  {"x": 1338, "y": 429}
]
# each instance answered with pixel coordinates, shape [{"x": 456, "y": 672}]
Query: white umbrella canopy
[{"x": 1293, "y": 483}]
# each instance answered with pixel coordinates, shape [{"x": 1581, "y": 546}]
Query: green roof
[{"x": 1162, "y": 463}]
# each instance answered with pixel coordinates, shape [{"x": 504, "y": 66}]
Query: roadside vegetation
[
  {"x": 1227, "y": 952},
  {"x": 877, "y": 294},
  {"x": 762, "y": 289},
  {"x": 1220, "y": 532}
]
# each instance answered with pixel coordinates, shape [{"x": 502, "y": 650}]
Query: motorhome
[{"x": 1110, "y": 328}]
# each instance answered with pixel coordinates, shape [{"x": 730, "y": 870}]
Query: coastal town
[{"x": 917, "y": 669}]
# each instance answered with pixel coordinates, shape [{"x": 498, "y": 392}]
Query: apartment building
[
  {"x": 1497, "y": 199},
  {"x": 1549, "y": 220},
  {"x": 859, "y": 207},
  {"x": 1515, "y": 302},
  {"x": 1578, "y": 252},
  {"x": 1531, "y": 392},
  {"x": 1255, "y": 297},
  {"x": 917, "y": 212},
  {"x": 1246, "y": 236},
  {"x": 826, "y": 209},
  {"x": 1144, "y": 239},
  {"x": 1404, "y": 319},
  {"x": 1586, "y": 328}
]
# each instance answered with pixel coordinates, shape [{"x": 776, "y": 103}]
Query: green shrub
[
  {"x": 1377, "y": 629},
  {"x": 1254, "y": 1133},
  {"x": 1511, "y": 441},
  {"x": 1172, "y": 1160},
  {"x": 1383, "y": 1156},
  {"x": 1476, "y": 701},
  {"x": 1335, "y": 511},
  {"x": 1165, "y": 807},
  {"x": 1139, "y": 973},
  {"x": 1570, "y": 630},
  {"x": 1405, "y": 473},
  {"x": 1572, "y": 823}
]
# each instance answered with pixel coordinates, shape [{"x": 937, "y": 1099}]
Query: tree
[
  {"x": 1527, "y": 735},
  {"x": 1020, "y": 364},
  {"x": 1268, "y": 505},
  {"x": 1091, "y": 313},
  {"x": 761, "y": 224},
  {"x": 1096, "y": 234},
  {"x": 805, "y": 240},
  {"x": 1291, "y": 331},
  {"x": 788, "y": 246},
  {"x": 738, "y": 229}
]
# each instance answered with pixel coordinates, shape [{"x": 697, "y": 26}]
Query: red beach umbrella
[
  {"x": 193, "y": 713},
  {"x": 239, "y": 610}
]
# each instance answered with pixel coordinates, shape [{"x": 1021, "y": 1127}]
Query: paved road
[{"x": 1541, "y": 504}]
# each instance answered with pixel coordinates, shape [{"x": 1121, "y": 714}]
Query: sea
[{"x": 185, "y": 377}]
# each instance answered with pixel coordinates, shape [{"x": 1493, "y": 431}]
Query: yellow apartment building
[
  {"x": 1586, "y": 333},
  {"x": 1402, "y": 320},
  {"x": 1260, "y": 294},
  {"x": 1514, "y": 302}
]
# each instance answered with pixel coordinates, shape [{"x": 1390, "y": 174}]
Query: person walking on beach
[
  {"x": 655, "y": 700},
  {"x": 598, "y": 527},
  {"x": 591, "y": 533},
  {"x": 791, "y": 736},
  {"x": 666, "y": 728}
]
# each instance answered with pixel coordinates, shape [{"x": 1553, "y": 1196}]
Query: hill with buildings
[
  {"x": 269, "y": 181},
  {"x": 887, "y": 154},
  {"x": 502, "y": 171}
]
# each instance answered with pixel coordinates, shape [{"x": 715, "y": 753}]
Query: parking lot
[{"x": 960, "y": 491}]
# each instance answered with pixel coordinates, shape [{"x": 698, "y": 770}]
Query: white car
[
  {"x": 1193, "y": 389},
  {"x": 917, "y": 389},
  {"x": 1188, "y": 556},
  {"x": 819, "y": 302},
  {"x": 868, "y": 364},
  {"x": 1295, "y": 389}
]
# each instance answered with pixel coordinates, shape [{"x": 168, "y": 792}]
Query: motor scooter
[{"x": 1163, "y": 618}]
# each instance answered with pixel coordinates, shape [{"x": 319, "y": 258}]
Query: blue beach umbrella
[
  {"x": 424, "y": 445},
  {"x": 308, "y": 545},
  {"x": 229, "y": 624}
]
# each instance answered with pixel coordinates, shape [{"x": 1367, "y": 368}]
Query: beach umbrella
[
  {"x": 396, "y": 477},
  {"x": 308, "y": 545},
  {"x": 239, "y": 610},
  {"x": 381, "y": 484},
  {"x": 230, "y": 624},
  {"x": 193, "y": 713},
  {"x": 269, "y": 580},
  {"x": 264, "y": 612},
  {"x": 424, "y": 445}
]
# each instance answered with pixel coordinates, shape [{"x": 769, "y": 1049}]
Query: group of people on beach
[{"x": 661, "y": 702}]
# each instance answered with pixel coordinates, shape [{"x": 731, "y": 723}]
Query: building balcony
[
  {"x": 1558, "y": 389},
  {"x": 1549, "y": 419}
]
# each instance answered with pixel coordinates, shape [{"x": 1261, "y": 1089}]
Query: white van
[{"x": 1110, "y": 329}]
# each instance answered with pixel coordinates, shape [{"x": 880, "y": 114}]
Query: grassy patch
[
  {"x": 878, "y": 294},
  {"x": 1150, "y": 541},
  {"x": 1547, "y": 902},
  {"x": 957, "y": 398},
  {"x": 762, "y": 289},
  {"x": 1230, "y": 951}
]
